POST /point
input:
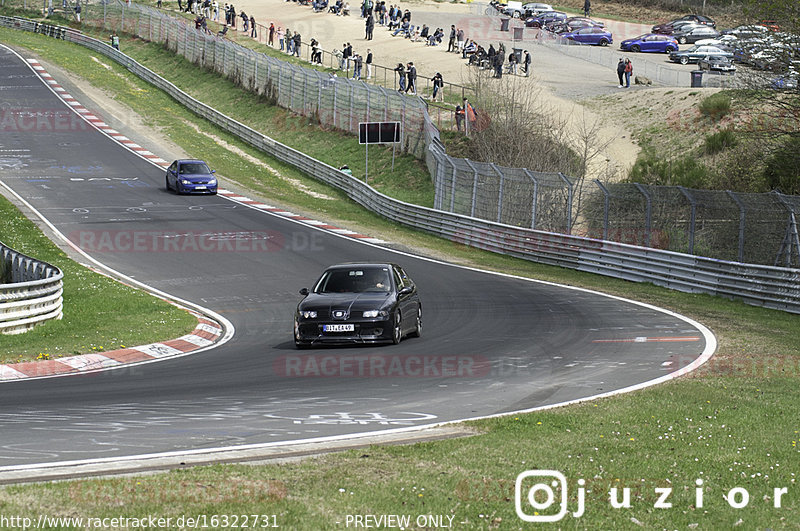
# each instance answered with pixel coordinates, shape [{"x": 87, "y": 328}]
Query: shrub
[
  {"x": 782, "y": 170},
  {"x": 719, "y": 141},
  {"x": 686, "y": 171},
  {"x": 716, "y": 106}
]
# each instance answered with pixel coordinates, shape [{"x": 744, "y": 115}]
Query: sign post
[{"x": 378, "y": 133}]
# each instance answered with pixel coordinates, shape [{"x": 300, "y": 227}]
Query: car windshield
[
  {"x": 375, "y": 280},
  {"x": 194, "y": 168}
]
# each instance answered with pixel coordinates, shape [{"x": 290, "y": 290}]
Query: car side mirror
[
  {"x": 304, "y": 292},
  {"x": 213, "y": 171},
  {"x": 405, "y": 291}
]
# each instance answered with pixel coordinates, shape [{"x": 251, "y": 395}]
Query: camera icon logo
[{"x": 540, "y": 496}]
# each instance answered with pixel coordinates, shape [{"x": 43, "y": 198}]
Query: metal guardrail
[
  {"x": 771, "y": 287},
  {"x": 31, "y": 293}
]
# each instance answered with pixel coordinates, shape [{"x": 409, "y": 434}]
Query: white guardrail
[
  {"x": 772, "y": 287},
  {"x": 34, "y": 294}
]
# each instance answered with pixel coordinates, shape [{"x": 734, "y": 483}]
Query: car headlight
[
  {"x": 308, "y": 314},
  {"x": 375, "y": 313},
  {"x": 186, "y": 181},
  {"x": 212, "y": 182}
]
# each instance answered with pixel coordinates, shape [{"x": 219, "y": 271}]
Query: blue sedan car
[
  {"x": 191, "y": 176},
  {"x": 650, "y": 42},
  {"x": 589, "y": 35}
]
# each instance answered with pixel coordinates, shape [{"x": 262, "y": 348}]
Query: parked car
[
  {"x": 519, "y": 10},
  {"x": 544, "y": 19},
  {"x": 747, "y": 31},
  {"x": 668, "y": 28},
  {"x": 589, "y": 35},
  {"x": 718, "y": 63},
  {"x": 785, "y": 82},
  {"x": 188, "y": 176},
  {"x": 692, "y": 34},
  {"x": 695, "y": 53},
  {"x": 650, "y": 42},
  {"x": 583, "y": 21},
  {"x": 531, "y": 9},
  {"x": 699, "y": 19},
  {"x": 358, "y": 303},
  {"x": 726, "y": 42}
]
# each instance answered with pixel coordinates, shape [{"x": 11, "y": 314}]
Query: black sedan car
[
  {"x": 358, "y": 303},
  {"x": 718, "y": 63},
  {"x": 695, "y": 53},
  {"x": 692, "y": 34}
]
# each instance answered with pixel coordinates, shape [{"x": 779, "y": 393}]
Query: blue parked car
[
  {"x": 187, "y": 176},
  {"x": 589, "y": 35},
  {"x": 650, "y": 42}
]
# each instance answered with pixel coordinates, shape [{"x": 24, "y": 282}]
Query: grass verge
[
  {"x": 99, "y": 313},
  {"x": 734, "y": 424}
]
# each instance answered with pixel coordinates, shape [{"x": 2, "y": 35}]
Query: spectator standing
[
  {"x": 78, "y": 10},
  {"x": 215, "y": 10},
  {"x": 347, "y": 53},
  {"x": 451, "y": 44},
  {"x": 297, "y": 43},
  {"x": 460, "y": 39},
  {"x": 412, "y": 78},
  {"x": 357, "y": 64},
  {"x": 459, "y": 117},
  {"x": 368, "y": 62},
  {"x": 438, "y": 83},
  {"x": 115, "y": 41},
  {"x": 587, "y": 6},
  {"x": 253, "y": 33},
  {"x": 527, "y": 63},
  {"x": 271, "y": 40},
  {"x": 621, "y": 72},
  {"x": 401, "y": 73},
  {"x": 280, "y": 34},
  {"x": 370, "y": 26},
  {"x": 628, "y": 72},
  {"x": 512, "y": 63}
]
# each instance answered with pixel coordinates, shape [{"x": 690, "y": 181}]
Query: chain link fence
[{"x": 754, "y": 228}]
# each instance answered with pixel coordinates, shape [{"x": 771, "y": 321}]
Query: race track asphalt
[{"x": 491, "y": 343}]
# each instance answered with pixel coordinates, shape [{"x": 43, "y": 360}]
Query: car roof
[
  {"x": 362, "y": 265},
  {"x": 181, "y": 161}
]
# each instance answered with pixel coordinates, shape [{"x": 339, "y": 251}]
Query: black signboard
[{"x": 378, "y": 132}]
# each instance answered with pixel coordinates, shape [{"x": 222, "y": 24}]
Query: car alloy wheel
[
  {"x": 635, "y": 48},
  {"x": 418, "y": 329},
  {"x": 669, "y": 49},
  {"x": 603, "y": 42},
  {"x": 684, "y": 60},
  {"x": 683, "y": 40},
  {"x": 397, "y": 330}
]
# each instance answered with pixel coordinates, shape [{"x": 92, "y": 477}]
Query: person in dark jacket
[
  {"x": 370, "y": 26},
  {"x": 438, "y": 83},
  {"x": 401, "y": 73},
  {"x": 412, "y": 79},
  {"x": 621, "y": 71}
]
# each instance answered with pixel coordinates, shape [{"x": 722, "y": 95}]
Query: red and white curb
[
  {"x": 206, "y": 333},
  {"x": 126, "y": 142}
]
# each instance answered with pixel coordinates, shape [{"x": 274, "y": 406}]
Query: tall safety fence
[
  {"x": 331, "y": 101},
  {"x": 773, "y": 287},
  {"x": 753, "y": 228},
  {"x": 31, "y": 291}
]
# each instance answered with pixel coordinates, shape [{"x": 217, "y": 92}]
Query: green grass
[
  {"x": 99, "y": 313},
  {"x": 727, "y": 424},
  {"x": 716, "y": 106}
]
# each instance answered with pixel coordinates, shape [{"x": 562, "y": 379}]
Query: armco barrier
[
  {"x": 33, "y": 295},
  {"x": 772, "y": 287}
]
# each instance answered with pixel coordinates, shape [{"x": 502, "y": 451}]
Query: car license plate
[
  {"x": 201, "y": 187},
  {"x": 338, "y": 328}
]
